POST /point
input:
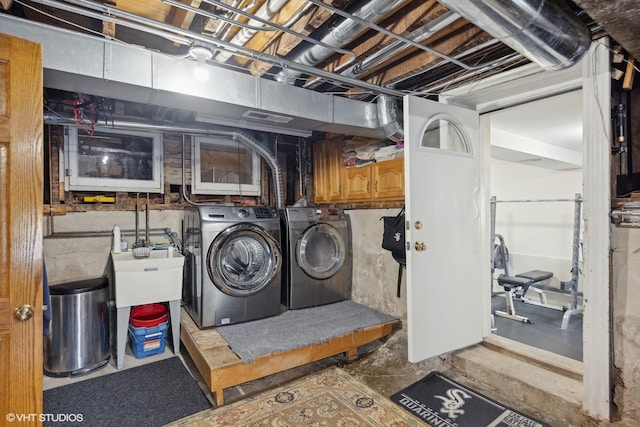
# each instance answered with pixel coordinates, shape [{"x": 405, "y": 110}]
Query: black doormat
[
  {"x": 149, "y": 395},
  {"x": 440, "y": 401}
]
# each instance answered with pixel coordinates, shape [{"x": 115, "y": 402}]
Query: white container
[
  {"x": 145, "y": 280},
  {"x": 116, "y": 248},
  {"x": 170, "y": 251}
]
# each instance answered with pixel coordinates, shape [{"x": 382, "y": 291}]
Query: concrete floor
[{"x": 383, "y": 366}]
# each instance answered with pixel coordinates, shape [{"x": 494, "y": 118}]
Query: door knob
[
  {"x": 421, "y": 246},
  {"x": 24, "y": 312}
]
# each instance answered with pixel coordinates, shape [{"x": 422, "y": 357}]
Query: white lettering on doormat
[
  {"x": 427, "y": 414},
  {"x": 452, "y": 404}
]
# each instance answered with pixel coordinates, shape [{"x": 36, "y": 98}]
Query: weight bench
[{"x": 512, "y": 284}]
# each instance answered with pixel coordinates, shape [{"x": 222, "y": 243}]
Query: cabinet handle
[{"x": 376, "y": 186}]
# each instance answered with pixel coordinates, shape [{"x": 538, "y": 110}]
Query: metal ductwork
[
  {"x": 546, "y": 32},
  {"x": 388, "y": 118},
  {"x": 338, "y": 34}
]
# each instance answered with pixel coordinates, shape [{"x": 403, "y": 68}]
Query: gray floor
[{"x": 544, "y": 332}]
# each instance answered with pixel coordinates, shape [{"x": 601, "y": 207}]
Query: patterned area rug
[{"x": 329, "y": 398}]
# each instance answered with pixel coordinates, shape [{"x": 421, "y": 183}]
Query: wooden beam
[
  {"x": 630, "y": 72},
  {"x": 279, "y": 43},
  {"x": 182, "y": 18},
  {"x": 406, "y": 20},
  {"x": 460, "y": 41},
  {"x": 109, "y": 28}
]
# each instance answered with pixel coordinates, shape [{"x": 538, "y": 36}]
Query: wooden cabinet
[
  {"x": 357, "y": 183},
  {"x": 388, "y": 179},
  {"x": 320, "y": 173},
  {"x": 328, "y": 170},
  {"x": 335, "y": 183}
]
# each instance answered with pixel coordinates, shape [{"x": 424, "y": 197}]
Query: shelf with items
[{"x": 370, "y": 182}]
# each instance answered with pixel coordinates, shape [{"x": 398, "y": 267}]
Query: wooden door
[{"x": 21, "y": 207}]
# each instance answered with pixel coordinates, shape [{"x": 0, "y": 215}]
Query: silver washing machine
[
  {"x": 233, "y": 264},
  {"x": 317, "y": 248}
]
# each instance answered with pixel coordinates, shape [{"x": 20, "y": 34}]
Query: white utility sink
[
  {"x": 146, "y": 280},
  {"x": 138, "y": 281}
]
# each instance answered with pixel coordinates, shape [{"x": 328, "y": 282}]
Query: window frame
[
  {"x": 212, "y": 188},
  {"x": 79, "y": 183}
]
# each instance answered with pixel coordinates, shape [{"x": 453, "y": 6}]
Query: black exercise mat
[
  {"x": 440, "y": 401},
  {"x": 544, "y": 332},
  {"x": 149, "y": 395}
]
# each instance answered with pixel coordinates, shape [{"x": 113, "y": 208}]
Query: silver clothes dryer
[
  {"x": 318, "y": 253},
  {"x": 233, "y": 264}
]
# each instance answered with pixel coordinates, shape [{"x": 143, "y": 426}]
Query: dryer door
[
  {"x": 320, "y": 251},
  {"x": 243, "y": 259}
]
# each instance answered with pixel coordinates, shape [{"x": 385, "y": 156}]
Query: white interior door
[{"x": 446, "y": 218}]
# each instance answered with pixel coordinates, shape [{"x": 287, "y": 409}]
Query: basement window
[
  {"x": 113, "y": 160},
  {"x": 226, "y": 167}
]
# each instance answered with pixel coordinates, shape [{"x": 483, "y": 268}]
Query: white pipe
[{"x": 266, "y": 11}]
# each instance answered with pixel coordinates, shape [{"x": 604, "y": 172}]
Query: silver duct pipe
[
  {"x": 338, "y": 35},
  {"x": 546, "y": 32},
  {"x": 250, "y": 29},
  {"x": 266, "y": 12},
  {"x": 418, "y": 36},
  {"x": 388, "y": 118},
  {"x": 186, "y": 37},
  {"x": 56, "y": 119}
]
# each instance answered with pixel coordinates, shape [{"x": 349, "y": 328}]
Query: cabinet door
[
  {"x": 358, "y": 183},
  {"x": 320, "y": 173},
  {"x": 333, "y": 154},
  {"x": 388, "y": 177}
]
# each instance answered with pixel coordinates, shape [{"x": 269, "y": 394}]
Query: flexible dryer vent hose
[{"x": 271, "y": 160}]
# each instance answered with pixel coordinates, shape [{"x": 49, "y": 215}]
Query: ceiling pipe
[
  {"x": 388, "y": 118},
  {"x": 266, "y": 12},
  {"x": 418, "y": 36},
  {"x": 186, "y": 37},
  {"x": 546, "y": 32},
  {"x": 339, "y": 33}
]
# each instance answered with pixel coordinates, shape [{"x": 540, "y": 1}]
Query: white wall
[{"x": 538, "y": 235}]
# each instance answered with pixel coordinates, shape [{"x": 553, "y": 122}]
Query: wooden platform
[{"x": 222, "y": 368}]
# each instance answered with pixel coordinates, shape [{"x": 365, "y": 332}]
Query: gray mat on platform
[
  {"x": 299, "y": 328},
  {"x": 149, "y": 395}
]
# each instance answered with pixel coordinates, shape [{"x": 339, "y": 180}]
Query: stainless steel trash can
[{"x": 78, "y": 340}]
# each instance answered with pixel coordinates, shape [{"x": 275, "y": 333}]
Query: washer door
[
  {"x": 243, "y": 259},
  {"x": 320, "y": 251}
]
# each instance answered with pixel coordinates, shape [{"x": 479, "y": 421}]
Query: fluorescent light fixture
[{"x": 244, "y": 124}]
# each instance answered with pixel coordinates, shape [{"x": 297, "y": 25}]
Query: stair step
[{"x": 551, "y": 392}]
